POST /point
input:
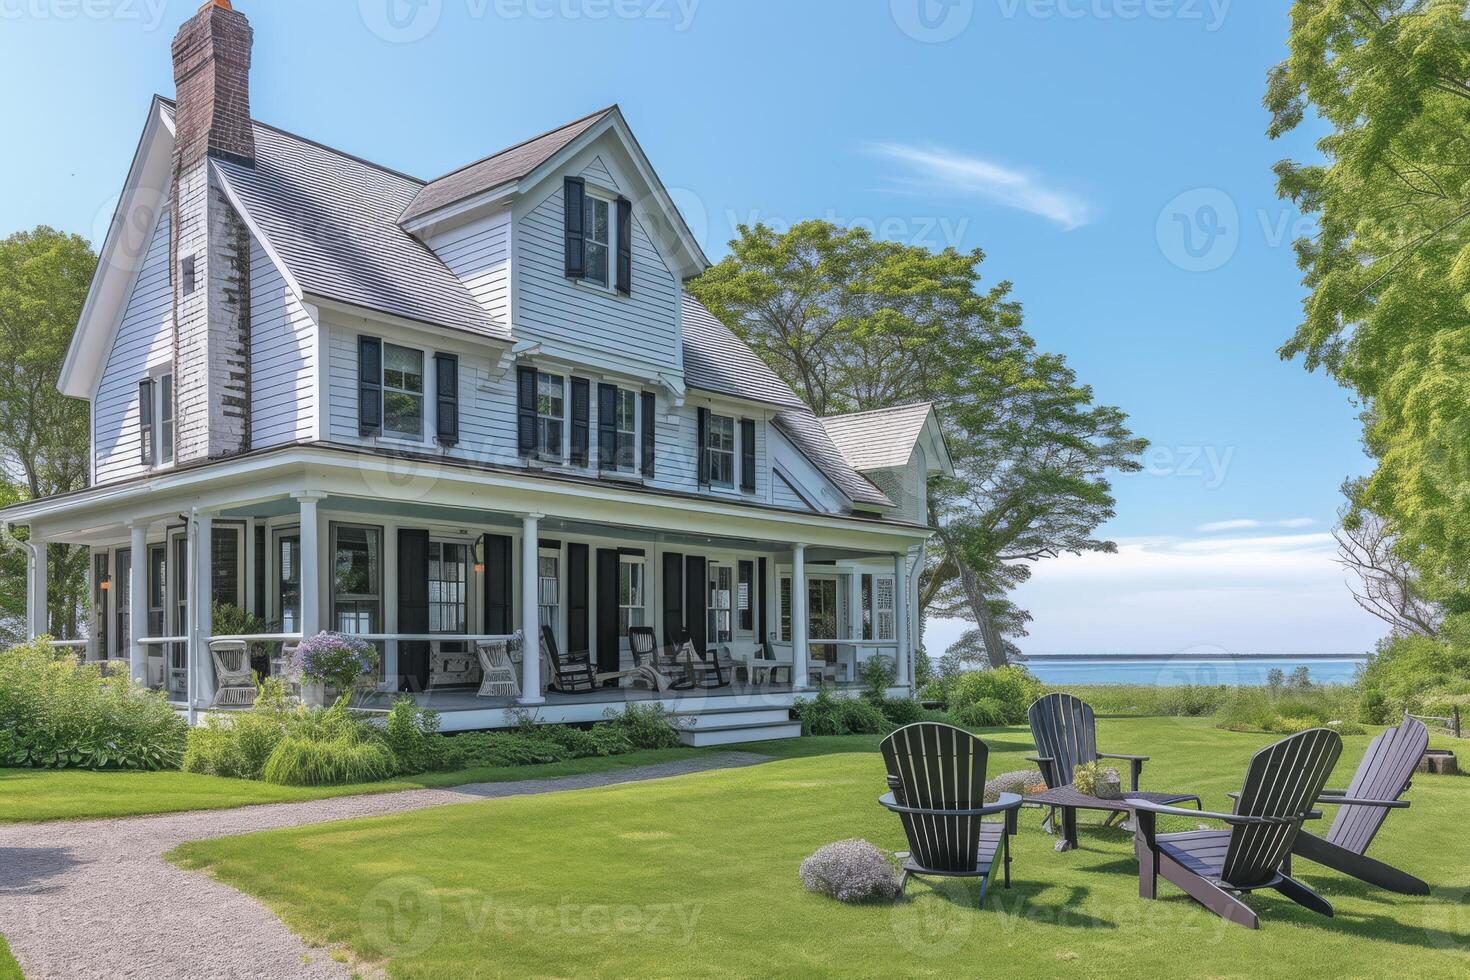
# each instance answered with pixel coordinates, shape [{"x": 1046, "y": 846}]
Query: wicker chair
[
  {"x": 497, "y": 673},
  {"x": 234, "y": 678}
]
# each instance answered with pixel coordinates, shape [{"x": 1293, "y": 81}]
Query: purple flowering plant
[{"x": 335, "y": 658}]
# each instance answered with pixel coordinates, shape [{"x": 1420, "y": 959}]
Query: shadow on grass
[{"x": 1021, "y": 901}]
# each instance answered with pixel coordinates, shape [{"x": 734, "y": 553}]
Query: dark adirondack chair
[
  {"x": 570, "y": 674},
  {"x": 936, "y": 778},
  {"x": 643, "y": 643},
  {"x": 1215, "y": 867},
  {"x": 1065, "y": 732},
  {"x": 1382, "y": 778}
]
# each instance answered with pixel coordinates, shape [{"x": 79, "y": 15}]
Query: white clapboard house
[{"x": 434, "y": 413}]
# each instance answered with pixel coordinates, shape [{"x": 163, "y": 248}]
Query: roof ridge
[
  {"x": 515, "y": 146},
  {"x": 877, "y": 411},
  {"x": 172, "y": 104}
]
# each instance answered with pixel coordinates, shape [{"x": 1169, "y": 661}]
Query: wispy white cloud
[
  {"x": 1282, "y": 593},
  {"x": 934, "y": 169},
  {"x": 1249, "y": 524}
]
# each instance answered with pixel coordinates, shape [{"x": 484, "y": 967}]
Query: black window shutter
[
  {"x": 703, "y": 447},
  {"x": 413, "y": 608},
  {"x": 369, "y": 385},
  {"x": 526, "y": 410},
  {"x": 498, "y": 571},
  {"x": 648, "y": 434},
  {"x": 747, "y": 455},
  {"x": 608, "y": 656},
  {"x": 760, "y": 597},
  {"x": 607, "y": 427},
  {"x": 673, "y": 596},
  {"x": 694, "y": 604},
  {"x": 577, "y": 600},
  {"x": 145, "y": 422},
  {"x": 625, "y": 246},
  {"x": 581, "y": 420},
  {"x": 575, "y": 199},
  {"x": 446, "y": 371}
]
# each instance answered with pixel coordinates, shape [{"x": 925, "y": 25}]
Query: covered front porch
[{"x": 436, "y": 572}]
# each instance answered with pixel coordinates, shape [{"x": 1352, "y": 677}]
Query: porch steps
[{"x": 729, "y": 726}]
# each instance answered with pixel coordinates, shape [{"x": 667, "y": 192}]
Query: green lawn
[
  {"x": 38, "y": 794},
  {"x": 9, "y": 969},
  {"x": 696, "y": 876}
]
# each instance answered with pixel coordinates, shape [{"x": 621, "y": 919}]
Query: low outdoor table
[{"x": 1069, "y": 799}]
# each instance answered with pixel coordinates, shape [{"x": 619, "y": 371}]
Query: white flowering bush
[{"x": 851, "y": 871}]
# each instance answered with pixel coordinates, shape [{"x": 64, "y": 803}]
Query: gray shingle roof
[
  {"x": 333, "y": 220},
  {"x": 717, "y": 361},
  {"x": 509, "y": 164},
  {"x": 806, "y": 432},
  {"x": 881, "y": 438}
]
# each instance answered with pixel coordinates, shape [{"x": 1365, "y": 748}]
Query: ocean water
[{"x": 1169, "y": 671}]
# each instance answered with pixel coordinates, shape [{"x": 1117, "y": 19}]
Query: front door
[{"x": 822, "y": 618}]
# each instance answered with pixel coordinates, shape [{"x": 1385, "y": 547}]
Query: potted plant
[
  {"x": 1095, "y": 779},
  {"x": 335, "y": 660}
]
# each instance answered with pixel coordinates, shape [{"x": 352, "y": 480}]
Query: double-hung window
[
  {"x": 627, "y": 425},
  {"x": 403, "y": 391},
  {"x": 598, "y": 231},
  {"x": 165, "y": 417},
  {"x": 631, "y": 588},
  {"x": 548, "y": 586},
  {"x": 551, "y": 409},
  {"x": 721, "y": 450}
]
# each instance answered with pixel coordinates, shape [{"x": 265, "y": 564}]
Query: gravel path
[{"x": 96, "y": 898}]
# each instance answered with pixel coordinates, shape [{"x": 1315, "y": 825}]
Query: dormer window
[
  {"x": 599, "y": 239},
  {"x": 721, "y": 451}
]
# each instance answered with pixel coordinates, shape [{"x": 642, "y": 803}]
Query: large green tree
[
  {"x": 44, "y": 436},
  {"x": 1388, "y": 271},
  {"x": 853, "y": 323}
]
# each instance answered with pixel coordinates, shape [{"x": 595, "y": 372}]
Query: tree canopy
[
  {"x": 854, "y": 323},
  {"x": 1388, "y": 271}
]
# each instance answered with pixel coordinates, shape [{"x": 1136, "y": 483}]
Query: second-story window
[
  {"x": 550, "y": 412},
  {"x": 403, "y": 391},
  {"x": 598, "y": 240},
  {"x": 721, "y": 449},
  {"x": 165, "y": 416},
  {"x": 627, "y": 421}
]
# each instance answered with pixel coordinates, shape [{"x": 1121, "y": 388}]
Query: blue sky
[{"x": 1108, "y": 155}]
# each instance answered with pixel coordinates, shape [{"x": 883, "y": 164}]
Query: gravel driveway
[{"x": 96, "y": 898}]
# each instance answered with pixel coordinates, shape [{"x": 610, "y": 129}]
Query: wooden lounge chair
[
  {"x": 1064, "y": 728},
  {"x": 643, "y": 643},
  {"x": 575, "y": 673},
  {"x": 1215, "y": 867},
  {"x": 1382, "y": 778},
  {"x": 936, "y": 781}
]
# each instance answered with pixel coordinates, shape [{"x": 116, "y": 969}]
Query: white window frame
[
  {"x": 720, "y": 603},
  {"x": 162, "y": 404},
  {"x": 885, "y": 622},
  {"x": 630, "y": 440},
  {"x": 639, "y": 600},
  {"x": 592, "y": 197},
  {"x": 563, "y": 446},
  {"x": 426, "y": 380},
  {"x": 554, "y": 582},
  {"x": 733, "y": 451}
]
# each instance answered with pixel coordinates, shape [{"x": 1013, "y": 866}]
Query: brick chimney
[
  {"x": 210, "y": 243},
  {"x": 212, "y": 78}
]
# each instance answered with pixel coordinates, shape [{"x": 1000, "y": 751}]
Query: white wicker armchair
[
  {"x": 234, "y": 680},
  {"x": 497, "y": 672}
]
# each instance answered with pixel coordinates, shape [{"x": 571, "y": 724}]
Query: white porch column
[
  {"x": 37, "y": 619},
  {"x": 138, "y": 604},
  {"x": 903, "y": 654},
  {"x": 311, "y": 582},
  {"x": 800, "y": 679},
  {"x": 530, "y": 611},
  {"x": 201, "y": 598}
]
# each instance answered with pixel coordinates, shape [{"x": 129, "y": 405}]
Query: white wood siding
[
  {"x": 479, "y": 254},
  {"x": 803, "y": 475},
  {"x": 588, "y": 324},
  {"x": 143, "y": 342},
  {"x": 283, "y": 394}
]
